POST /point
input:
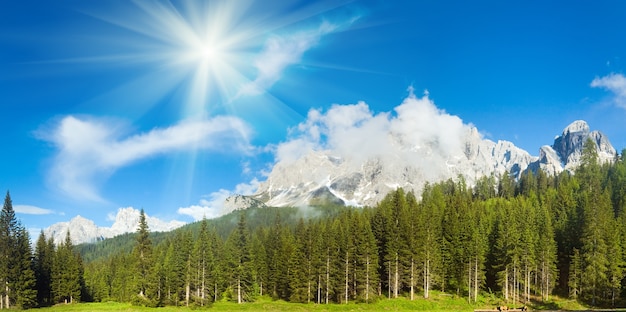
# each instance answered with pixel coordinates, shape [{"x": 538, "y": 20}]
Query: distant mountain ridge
[
  {"x": 321, "y": 176},
  {"x": 83, "y": 230}
]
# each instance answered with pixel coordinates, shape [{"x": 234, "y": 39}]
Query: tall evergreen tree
[
  {"x": 241, "y": 255},
  {"x": 44, "y": 254},
  {"x": 142, "y": 254},
  {"x": 9, "y": 227},
  {"x": 25, "y": 291},
  {"x": 67, "y": 273}
]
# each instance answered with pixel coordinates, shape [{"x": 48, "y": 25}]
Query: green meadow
[{"x": 440, "y": 302}]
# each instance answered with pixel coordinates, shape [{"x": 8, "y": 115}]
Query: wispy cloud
[
  {"x": 281, "y": 51},
  {"x": 615, "y": 83},
  {"x": 32, "y": 210},
  {"x": 90, "y": 148},
  {"x": 213, "y": 205}
]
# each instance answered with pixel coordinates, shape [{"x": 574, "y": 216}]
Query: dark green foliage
[
  {"x": 144, "y": 276},
  {"x": 44, "y": 257},
  {"x": 67, "y": 273},
  {"x": 16, "y": 261},
  {"x": 521, "y": 240}
]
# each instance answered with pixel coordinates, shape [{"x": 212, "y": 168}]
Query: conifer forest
[{"x": 522, "y": 240}]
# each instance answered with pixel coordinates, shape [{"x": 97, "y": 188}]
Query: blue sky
[{"x": 170, "y": 106}]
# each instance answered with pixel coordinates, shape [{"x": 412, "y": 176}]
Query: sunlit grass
[{"x": 437, "y": 302}]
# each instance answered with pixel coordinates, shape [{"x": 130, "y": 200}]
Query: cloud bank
[
  {"x": 90, "y": 148},
  {"x": 354, "y": 132},
  {"x": 616, "y": 83}
]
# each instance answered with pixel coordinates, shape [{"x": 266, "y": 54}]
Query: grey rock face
[
  {"x": 566, "y": 151},
  {"x": 322, "y": 175}
]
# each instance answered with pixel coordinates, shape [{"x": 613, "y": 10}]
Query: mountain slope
[{"x": 325, "y": 176}]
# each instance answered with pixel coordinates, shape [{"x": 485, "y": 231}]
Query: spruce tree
[
  {"x": 25, "y": 291},
  {"x": 203, "y": 261},
  {"x": 143, "y": 259},
  {"x": 44, "y": 253},
  {"x": 9, "y": 258},
  {"x": 67, "y": 273}
]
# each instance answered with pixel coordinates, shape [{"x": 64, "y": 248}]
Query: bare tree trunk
[
  {"x": 308, "y": 292},
  {"x": 389, "y": 279},
  {"x": 396, "y": 283},
  {"x": 367, "y": 278},
  {"x": 426, "y": 277},
  {"x": 412, "y": 279},
  {"x": 346, "y": 276},
  {"x": 506, "y": 284},
  {"x": 469, "y": 281},
  {"x": 239, "y": 299},
  {"x": 187, "y": 293},
  {"x": 327, "y": 275},
  {"x": 319, "y": 288},
  {"x": 476, "y": 280},
  {"x": 203, "y": 290},
  {"x": 514, "y": 283}
]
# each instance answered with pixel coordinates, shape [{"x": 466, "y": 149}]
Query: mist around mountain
[{"x": 351, "y": 156}]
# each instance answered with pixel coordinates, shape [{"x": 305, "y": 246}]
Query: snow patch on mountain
[
  {"x": 83, "y": 230},
  {"x": 350, "y": 155}
]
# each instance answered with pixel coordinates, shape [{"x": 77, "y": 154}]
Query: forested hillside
[{"x": 520, "y": 240}]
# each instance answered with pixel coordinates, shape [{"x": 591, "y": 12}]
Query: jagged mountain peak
[
  {"x": 576, "y": 126},
  {"x": 324, "y": 176},
  {"x": 569, "y": 145},
  {"x": 83, "y": 230}
]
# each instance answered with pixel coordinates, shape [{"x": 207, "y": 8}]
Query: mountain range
[
  {"x": 325, "y": 176},
  {"x": 322, "y": 176},
  {"x": 83, "y": 230}
]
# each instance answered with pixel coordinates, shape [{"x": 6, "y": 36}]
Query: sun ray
[{"x": 195, "y": 59}]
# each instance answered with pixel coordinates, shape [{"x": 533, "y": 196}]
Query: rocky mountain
[
  {"x": 324, "y": 177},
  {"x": 237, "y": 202},
  {"x": 566, "y": 151},
  {"x": 83, "y": 230}
]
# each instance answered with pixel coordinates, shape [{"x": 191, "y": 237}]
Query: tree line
[
  {"x": 53, "y": 274},
  {"x": 526, "y": 239}
]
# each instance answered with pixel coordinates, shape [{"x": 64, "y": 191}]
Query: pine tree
[
  {"x": 366, "y": 259},
  {"x": 203, "y": 260},
  {"x": 25, "y": 291},
  {"x": 242, "y": 258},
  {"x": 9, "y": 228},
  {"x": 430, "y": 216},
  {"x": 302, "y": 277},
  {"x": 44, "y": 254},
  {"x": 67, "y": 273},
  {"x": 142, "y": 254},
  {"x": 546, "y": 253}
]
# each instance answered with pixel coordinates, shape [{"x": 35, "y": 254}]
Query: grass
[{"x": 438, "y": 302}]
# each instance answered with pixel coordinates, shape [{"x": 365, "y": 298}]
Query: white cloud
[
  {"x": 281, "y": 51},
  {"x": 92, "y": 148},
  {"x": 405, "y": 137},
  {"x": 615, "y": 83},
  {"x": 213, "y": 205},
  {"x": 32, "y": 210}
]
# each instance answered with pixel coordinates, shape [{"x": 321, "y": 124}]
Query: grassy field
[{"x": 437, "y": 303}]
